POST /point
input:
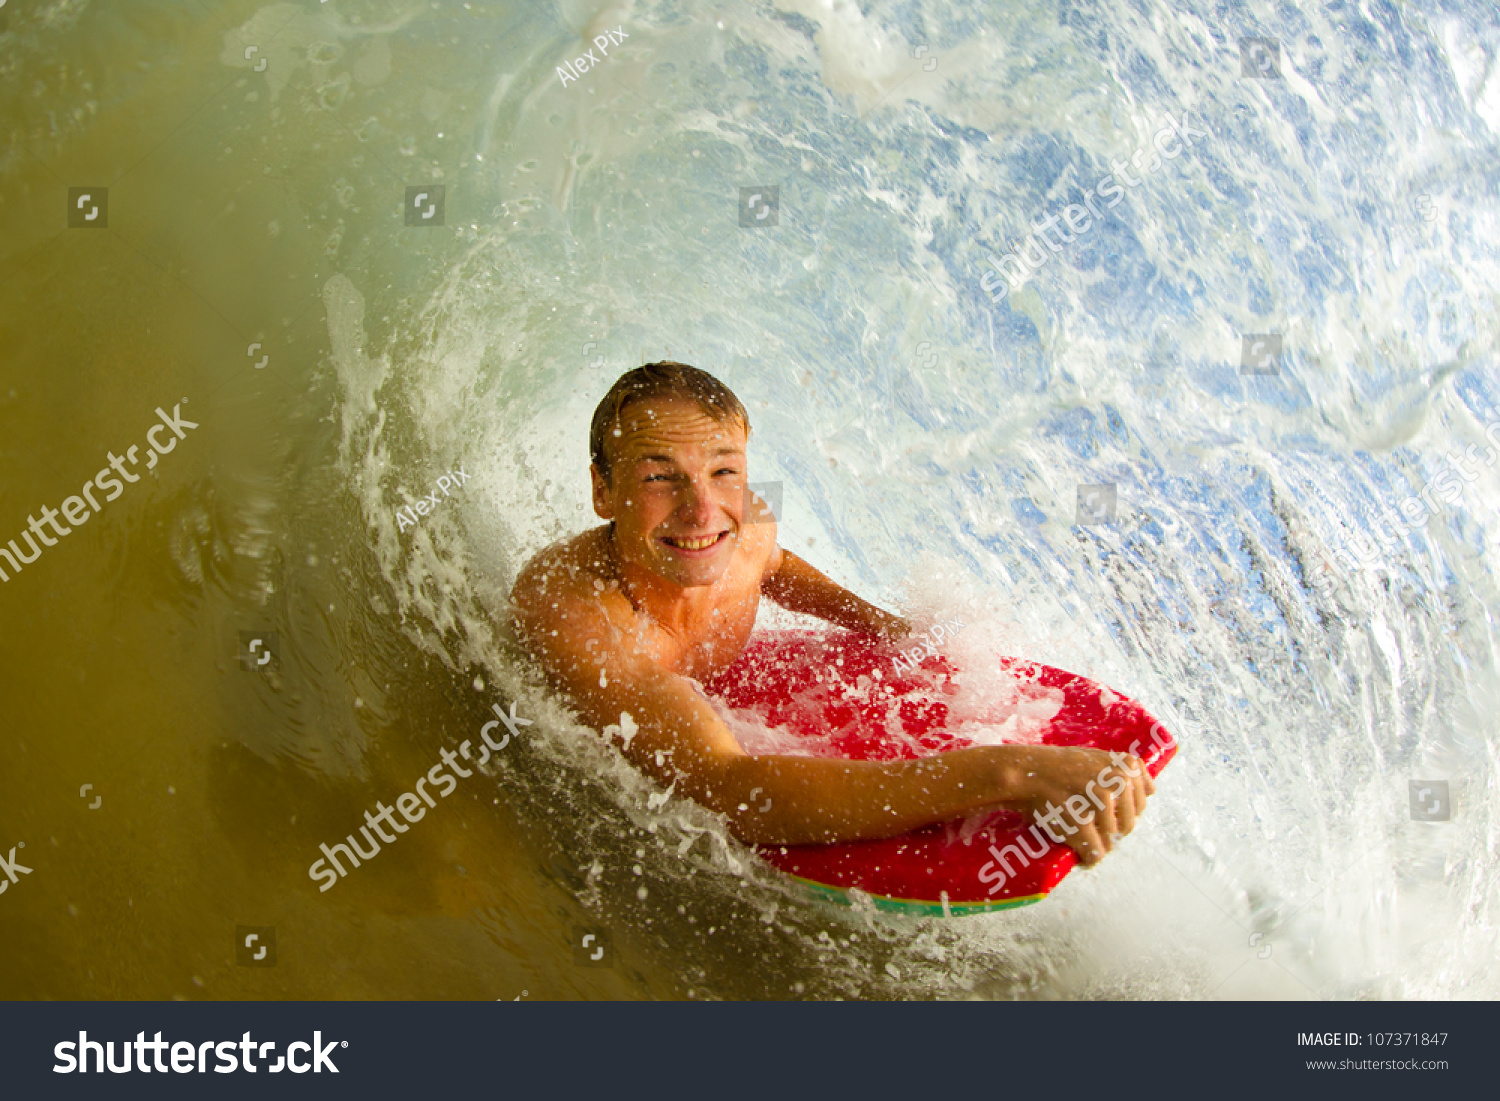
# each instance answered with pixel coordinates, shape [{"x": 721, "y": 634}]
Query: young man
[{"x": 622, "y": 616}]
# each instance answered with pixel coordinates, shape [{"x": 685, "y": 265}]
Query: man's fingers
[
  {"x": 1084, "y": 836},
  {"x": 1126, "y": 809},
  {"x": 1088, "y": 846},
  {"x": 1139, "y": 782},
  {"x": 1107, "y": 822},
  {"x": 1113, "y": 814}
]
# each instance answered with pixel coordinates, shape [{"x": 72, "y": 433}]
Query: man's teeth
[{"x": 694, "y": 544}]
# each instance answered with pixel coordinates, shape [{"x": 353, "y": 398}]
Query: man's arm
[
  {"x": 798, "y": 587},
  {"x": 680, "y": 742}
]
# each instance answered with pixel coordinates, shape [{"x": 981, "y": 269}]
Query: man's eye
[{"x": 727, "y": 470}]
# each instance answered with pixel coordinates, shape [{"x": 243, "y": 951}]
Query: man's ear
[{"x": 603, "y": 507}]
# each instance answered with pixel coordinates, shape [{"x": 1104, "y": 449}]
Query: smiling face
[{"x": 676, "y": 491}]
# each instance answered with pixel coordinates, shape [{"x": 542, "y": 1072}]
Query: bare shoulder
[
  {"x": 569, "y": 591},
  {"x": 567, "y": 568},
  {"x": 758, "y": 549}
]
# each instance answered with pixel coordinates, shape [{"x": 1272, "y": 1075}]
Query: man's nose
[{"x": 698, "y": 501}]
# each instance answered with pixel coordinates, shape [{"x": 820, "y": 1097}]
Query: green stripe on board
[{"x": 915, "y": 905}]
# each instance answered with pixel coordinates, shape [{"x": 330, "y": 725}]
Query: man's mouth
[{"x": 694, "y": 542}]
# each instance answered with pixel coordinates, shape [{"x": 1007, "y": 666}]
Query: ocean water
[{"x": 1185, "y": 455}]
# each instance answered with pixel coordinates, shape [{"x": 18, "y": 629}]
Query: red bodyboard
[{"x": 823, "y": 691}]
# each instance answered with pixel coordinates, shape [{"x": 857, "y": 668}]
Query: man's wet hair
[{"x": 665, "y": 379}]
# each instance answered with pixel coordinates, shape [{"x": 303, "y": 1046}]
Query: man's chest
[
  {"x": 699, "y": 636},
  {"x": 708, "y": 642}
]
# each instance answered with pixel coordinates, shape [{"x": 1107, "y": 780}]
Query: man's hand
[
  {"x": 1086, "y": 798},
  {"x": 585, "y": 642}
]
